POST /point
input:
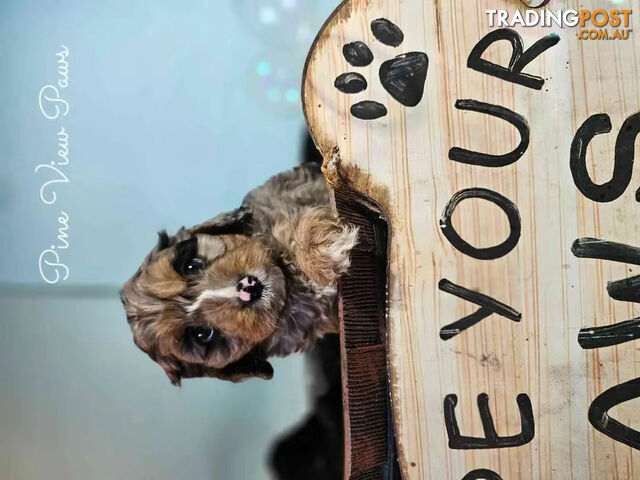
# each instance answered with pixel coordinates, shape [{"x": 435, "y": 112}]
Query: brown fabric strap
[{"x": 370, "y": 452}]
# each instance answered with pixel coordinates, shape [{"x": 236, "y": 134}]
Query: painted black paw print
[{"x": 403, "y": 76}]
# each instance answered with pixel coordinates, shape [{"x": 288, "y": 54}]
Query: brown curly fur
[{"x": 286, "y": 236}]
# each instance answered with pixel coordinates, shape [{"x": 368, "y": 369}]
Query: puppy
[{"x": 219, "y": 298}]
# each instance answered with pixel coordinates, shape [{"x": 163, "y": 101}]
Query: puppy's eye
[
  {"x": 201, "y": 335},
  {"x": 194, "y": 267},
  {"x": 186, "y": 263}
]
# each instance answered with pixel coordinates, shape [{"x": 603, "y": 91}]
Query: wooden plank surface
[{"x": 401, "y": 160}]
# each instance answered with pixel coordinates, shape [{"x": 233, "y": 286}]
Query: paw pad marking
[
  {"x": 368, "y": 110},
  {"x": 350, "y": 83},
  {"x": 403, "y": 77},
  {"x": 387, "y": 32},
  {"x": 357, "y": 54}
]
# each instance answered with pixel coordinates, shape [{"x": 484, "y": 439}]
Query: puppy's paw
[
  {"x": 338, "y": 249},
  {"x": 323, "y": 246}
]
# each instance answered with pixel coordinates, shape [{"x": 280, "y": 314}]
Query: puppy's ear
[
  {"x": 163, "y": 240},
  {"x": 250, "y": 366},
  {"x": 234, "y": 222},
  {"x": 172, "y": 367}
]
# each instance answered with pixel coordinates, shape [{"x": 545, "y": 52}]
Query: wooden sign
[{"x": 487, "y": 152}]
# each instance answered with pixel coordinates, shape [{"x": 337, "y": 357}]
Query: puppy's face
[{"x": 203, "y": 300}]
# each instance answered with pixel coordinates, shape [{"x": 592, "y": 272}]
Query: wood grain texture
[{"x": 401, "y": 161}]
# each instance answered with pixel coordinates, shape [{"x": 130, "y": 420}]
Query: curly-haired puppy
[{"x": 218, "y": 298}]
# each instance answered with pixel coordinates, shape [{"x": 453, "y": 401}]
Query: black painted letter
[
  {"x": 490, "y": 253},
  {"x": 491, "y": 438},
  {"x": 588, "y": 247},
  {"x": 487, "y": 305},
  {"x": 485, "y": 159},
  {"x": 627, "y": 289},
  {"x": 623, "y": 159},
  {"x": 519, "y": 59},
  {"x": 601, "y": 421}
]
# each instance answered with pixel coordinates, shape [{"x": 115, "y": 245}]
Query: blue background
[
  {"x": 177, "y": 109},
  {"x": 169, "y": 121}
]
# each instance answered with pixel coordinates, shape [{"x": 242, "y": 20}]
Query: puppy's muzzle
[{"x": 249, "y": 289}]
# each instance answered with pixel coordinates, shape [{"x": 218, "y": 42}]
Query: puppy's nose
[{"x": 249, "y": 289}]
